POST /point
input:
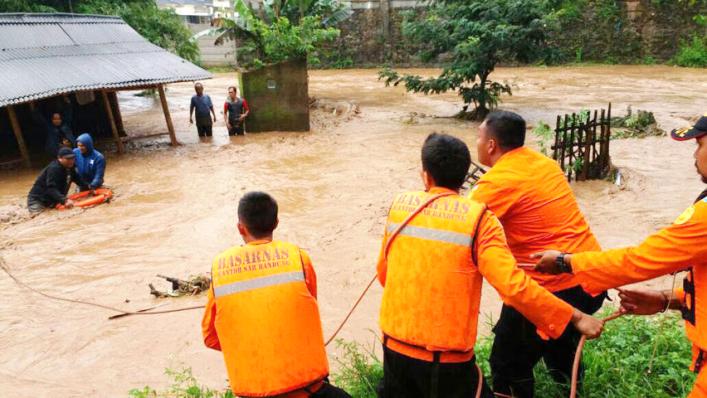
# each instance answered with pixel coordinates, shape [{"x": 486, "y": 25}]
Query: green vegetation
[
  {"x": 635, "y": 357},
  {"x": 184, "y": 385},
  {"x": 637, "y": 124},
  {"x": 476, "y": 35},
  {"x": 692, "y": 53},
  {"x": 281, "y": 30},
  {"x": 360, "y": 370},
  {"x": 545, "y": 135},
  {"x": 161, "y": 27}
]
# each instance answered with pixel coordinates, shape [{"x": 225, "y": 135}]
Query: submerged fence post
[{"x": 576, "y": 142}]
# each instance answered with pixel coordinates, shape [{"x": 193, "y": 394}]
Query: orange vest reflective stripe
[
  {"x": 267, "y": 321},
  {"x": 432, "y": 289}
]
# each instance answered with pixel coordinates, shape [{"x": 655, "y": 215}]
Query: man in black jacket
[{"x": 52, "y": 185}]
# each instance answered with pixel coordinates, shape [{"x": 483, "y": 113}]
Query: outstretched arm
[{"x": 497, "y": 264}]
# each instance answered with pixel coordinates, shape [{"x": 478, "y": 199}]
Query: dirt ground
[{"x": 175, "y": 209}]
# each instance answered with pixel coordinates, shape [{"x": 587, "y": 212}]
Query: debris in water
[{"x": 191, "y": 287}]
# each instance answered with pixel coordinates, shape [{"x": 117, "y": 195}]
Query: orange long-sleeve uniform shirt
[
  {"x": 530, "y": 195},
  {"x": 432, "y": 287},
  {"x": 681, "y": 246},
  {"x": 269, "y": 312}
]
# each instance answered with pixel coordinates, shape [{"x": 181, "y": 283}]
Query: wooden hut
[{"x": 75, "y": 57}]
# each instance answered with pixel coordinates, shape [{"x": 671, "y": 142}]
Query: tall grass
[{"x": 635, "y": 357}]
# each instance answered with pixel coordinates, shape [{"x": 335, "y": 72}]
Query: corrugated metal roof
[{"x": 42, "y": 55}]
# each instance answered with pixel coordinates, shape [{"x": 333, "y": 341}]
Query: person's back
[
  {"x": 449, "y": 219},
  {"x": 436, "y": 248},
  {"x": 90, "y": 163},
  {"x": 262, "y": 312},
  {"x": 530, "y": 195}
]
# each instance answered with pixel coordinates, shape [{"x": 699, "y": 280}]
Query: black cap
[
  {"x": 688, "y": 133},
  {"x": 66, "y": 153}
]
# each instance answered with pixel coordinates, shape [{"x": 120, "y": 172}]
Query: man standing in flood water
[
  {"x": 236, "y": 111},
  {"x": 201, "y": 103}
]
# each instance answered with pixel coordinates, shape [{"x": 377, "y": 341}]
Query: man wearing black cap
[
  {"x": 52, "y": 185},
  {"x": 679, "y": 247}
]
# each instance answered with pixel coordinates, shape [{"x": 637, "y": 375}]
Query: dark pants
[
  {"x": 517, "y": 347},
  {"x": 236, "y": 128},
  {"x": 405, "y": 377},
  {"x": 34, "y": 205},
  {"x": 329, "y": 391},
  {"x": 204, "y": 126}
]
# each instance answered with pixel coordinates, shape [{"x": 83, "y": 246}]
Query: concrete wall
[
  {"x": 372, "y": 36},
  {"x": 211, "y": 54},
  {"x": 278, "y": 97}
]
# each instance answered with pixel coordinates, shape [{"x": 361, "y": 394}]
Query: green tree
[
  {"x": 474, "y": 35},
  {"x": 281, "y": 30},
  {"x": 161, "y": 27}
]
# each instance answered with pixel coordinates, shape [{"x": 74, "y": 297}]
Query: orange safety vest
[
  {"x": 267, "y": 321},
  {"x": 432, "y": 290},
  {"x": 694, "y": 310}
]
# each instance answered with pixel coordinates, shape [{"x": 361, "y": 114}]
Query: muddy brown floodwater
[{"x": 176, "y": 207}]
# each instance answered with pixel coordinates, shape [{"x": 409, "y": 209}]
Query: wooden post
[
  {"x": 564, "y": 145},
  {"x": 18, "y": 135},
  {"x": 117, "y": 113},
  {"x": 608, "y": 137},
  {"x": 167, "y": 116},
  {"x": 111, "y": 118}
]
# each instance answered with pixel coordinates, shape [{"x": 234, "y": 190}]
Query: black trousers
[
  {"x": 34, "y": 205},
  {"x": 204, "y": 126},
  {"x": 329, "y": 391},
  {"x": 405, "y": 377},
  {"x": 517, "y": 347},
  {"x": 236, "y": 128}
]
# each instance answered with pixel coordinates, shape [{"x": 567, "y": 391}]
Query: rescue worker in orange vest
[
  {"x": 437, "y": 248},
  {"x": 532, "y": 199},
  {"x": 681, "y": 246},
  {"x": 262, "y": 312}
]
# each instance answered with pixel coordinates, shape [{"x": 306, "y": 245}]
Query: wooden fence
[{"x": 582, "y": 144}]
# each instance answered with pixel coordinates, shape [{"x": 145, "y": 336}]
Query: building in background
[{"x": 197, "y": 15}]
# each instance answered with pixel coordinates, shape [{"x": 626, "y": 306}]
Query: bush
[
  {"x": 184, "y": 385},
  {"x": 545, "y": 135},
  {"x": 360, "y": 371},
  {"x": 635, "y": 357},
  {"x": 692, "y": 53}
]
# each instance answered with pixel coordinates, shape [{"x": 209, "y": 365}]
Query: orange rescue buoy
[{"x": 84, "y": 199}]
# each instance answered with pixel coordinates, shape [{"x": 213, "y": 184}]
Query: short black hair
[
  {"x": 508, "y": 128},
  {"x": 446, "y": 159},
  {"x": 232, "y": 87},
  {"x": 258, "y": 212}
]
